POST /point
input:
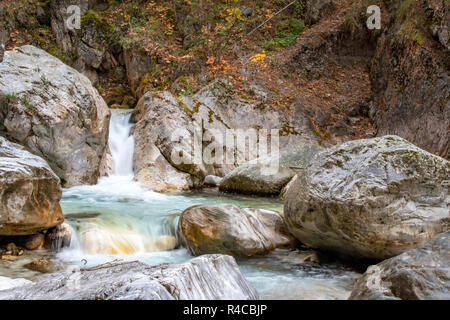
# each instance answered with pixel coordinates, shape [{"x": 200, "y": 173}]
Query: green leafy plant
[{"x": 291, "y": 29}]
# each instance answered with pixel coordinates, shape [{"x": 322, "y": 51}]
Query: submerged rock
[
  {"x": 228, "y": 229},
  {"x": 210, "y": 277},
  {"x": 373, "y": 198},
  {"x": 55, "y": 112},
  {"x": 301, "y": 257},
  {"x": 419, "y": 274},
  {"x": 256, "y": 176},
  {"x": 29, "y": 192},
  {"x": 42, "y": 265},
  {"x": 35, "y": 241}
]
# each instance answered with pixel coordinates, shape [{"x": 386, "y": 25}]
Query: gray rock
[
  {"x": 317, "y": 9},
  {"x": 441, "y": 22},
  {"x": 65, "y": 38},
  {"x": 42, "y": 16},
  {"x": 419, "y": 274},
  {"x": 158, "y": 116},
  {"x": 373, "y": 198},
  {"x": 154, "y": 171},
  {"x": 137, "y": 65},
  {"x": 247, "y": 11},
  {"x": 228, "y": 229},
  {"x": 252, "y": 177},
  {"x": 55, "y": 112},
  {"x": 210, "y": 277},
  {"x": 212, "y": 181},
  {"x": 29, "y": 192},
  {"x": 179, "y": 127}
]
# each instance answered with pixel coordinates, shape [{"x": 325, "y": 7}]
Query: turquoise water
[{"x": 127, "y": 217}]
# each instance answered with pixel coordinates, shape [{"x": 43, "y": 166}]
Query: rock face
[
  {"x": 29, "y": 192},
  {"x": 373, "y": 198},
  {"x": 228, "y": 229},
  {"x": 158, "y": 117},
  {"x": 419, "y": 274},
  {"x": 88, "y": 42},
  {"x": 170, "y": 131},
  {"x": 411, "y": 78},
  {"x": 55, "y": 112},
  {"x": 252, "y": 178},
  {"x": 210, "y": 277}
]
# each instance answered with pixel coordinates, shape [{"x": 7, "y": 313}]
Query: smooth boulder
[
  {"x": 229, "y": 229},
  {"x": 258, "y": 177},
  {"x": 29, "y": 192},
  {"x": 419, "y": 274},
  {"x": 210, "y": 277},
  {"x": 371, "y": 199},
  {"x": 55, "y": 112}
]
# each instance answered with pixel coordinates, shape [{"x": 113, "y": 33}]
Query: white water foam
[{"x": 121, "y": 143}]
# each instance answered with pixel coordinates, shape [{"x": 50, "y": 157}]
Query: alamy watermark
[
  {"x": 74, "y": 20},
  {"x": 74, "y": 17},
  {"x": 374, "y": 20},
  {"x": 227, "y": 147}
]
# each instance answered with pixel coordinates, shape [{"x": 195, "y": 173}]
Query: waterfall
[
  {"x": 121, "y": 142},
  {"x": 116, "y": 216}
]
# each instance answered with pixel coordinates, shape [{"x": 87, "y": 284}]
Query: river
[{"x": 120, "y": 219}]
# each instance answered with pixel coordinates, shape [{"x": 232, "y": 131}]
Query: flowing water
[{"x": 119, "y": 219}]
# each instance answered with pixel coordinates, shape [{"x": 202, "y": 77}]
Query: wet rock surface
[
  {"x": 419, "y": 274},
  {"x": 372, "y": 198},
  {"x": 29, "y": 192},
  {"x": 268, "y": 175},
  {"x": 228, "y": 229},
  {"x": 203, "y": 278}
]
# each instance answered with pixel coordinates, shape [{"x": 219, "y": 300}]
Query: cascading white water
[
  {"x": 121, "y": 223},
  {"x": 121, "y": 143}
]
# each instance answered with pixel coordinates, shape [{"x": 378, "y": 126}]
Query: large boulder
[
  {"x": 88, "y": 43},
  {"x": 372, "y": 198},
  {"x": 256, "y": 176},
  {"x": 55, "y": 112},
  {"x": 158, "y": 117},
  {"x": 210, "y": 277},
  {"x": 29, "y": 192},
  {"x": 419, "y": 274},
  {"x": 206, "y": 122},
  {"x": 228, "y": 229}
]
